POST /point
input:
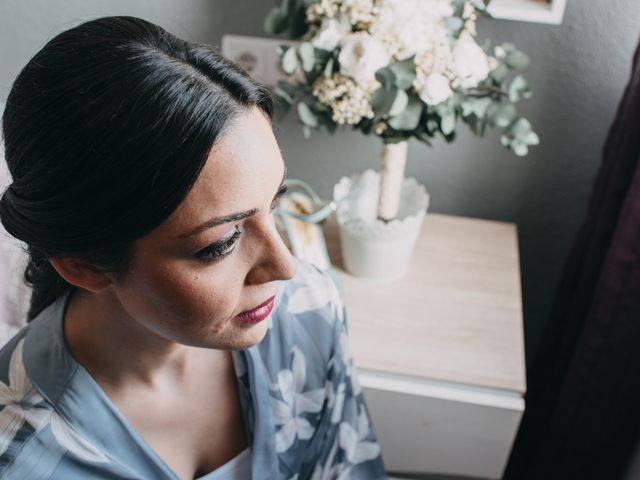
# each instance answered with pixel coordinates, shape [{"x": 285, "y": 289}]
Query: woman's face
[{"x": 190, "y": 276}]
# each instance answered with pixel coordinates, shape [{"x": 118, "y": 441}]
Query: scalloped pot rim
[{"x": 358, "y": 227}]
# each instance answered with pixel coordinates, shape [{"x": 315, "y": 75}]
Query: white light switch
[{"x": 257, "y": 55}]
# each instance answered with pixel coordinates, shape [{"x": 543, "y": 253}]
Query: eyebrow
[{"x": 233, "y": 217}]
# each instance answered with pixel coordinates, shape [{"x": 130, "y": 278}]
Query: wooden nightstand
[{"x": 440, "y": 353}]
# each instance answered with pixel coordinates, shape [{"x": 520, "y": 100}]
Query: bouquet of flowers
[{"x": 398, "y": 69}]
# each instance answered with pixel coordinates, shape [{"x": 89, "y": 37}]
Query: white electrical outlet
[{"x": 257, "y": 55}]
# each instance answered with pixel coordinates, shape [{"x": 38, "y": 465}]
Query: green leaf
[
  {"x": 499, "y": 73},
  {"x": 454, "y": 24},
  {"x": 516, "y": 59},
  {"x": 518, "y": 88},
  {"x": 289, "y": 88},
  {"x": 531, "y": 138},
  {"x": 519, "y": 148},
  {"x": 282, "y": 107},
  {"x": 290, "y": 61},
  {"x": 404, "y": 73},
  {"x": 476, "y": 106},
  {"x": 275, "y": 22},
  {"x": 501, "y": 115},
  {"x": 518, "y": 136},
  {"x": 520, "y": 127},
  {"x": 448, "y": 122},
  {"x": 284, "y": 95},
  {"x": 399, "y": 103},
  {"x": 386, "y": 77},
  {"x": 306, "y": 115},
  {"x": 307, "y": 55},
  {"x": 382, "y": 99},
  {"x": 410, "y": 118},
  {"x": 328, "y": 68},
  {"x": 298, "y": 25}
]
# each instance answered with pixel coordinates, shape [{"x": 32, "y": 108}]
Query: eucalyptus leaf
[
  {"x": 476, "y": 106},
  {"x": 290, "y": 61},
  {"x": 282, "y": 107},
  {"x": 399, "y": 103},
  {"x": 307, "y": 55},
  {"x": 531, "y": 138},
  {"x": 298, "y": 25},
  {"x": 328, "y": 68},
  {"x": 284, "y": 95},
  {"x": 448, "y": 122},
  {"x": 501, "y": 115},
  {"x": 499, "y": 73},
  {"x": 518, "y": 88},
  {"x": 382, "y": 99},
  {"x": 432, "y": 125},
  {"x": 306, "y": 115},
  {"x": 519, "y": 128},
  {"x": 519, "y": 148},
  {"x": 404, "y": 73},
  {"x": 410, "y": 118},
  {"x": 517, "y": 59},
  {"x": 386, "y": 77},
  {"x": 289, "y": 88},
  {"x": 275, "y": 22},
  {"x": 454, "y": 24}
]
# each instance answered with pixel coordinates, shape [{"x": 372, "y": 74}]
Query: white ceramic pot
[{"x": 371, "y": 248}]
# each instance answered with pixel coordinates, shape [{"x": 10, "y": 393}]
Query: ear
[{"x": 81, "y": 273}]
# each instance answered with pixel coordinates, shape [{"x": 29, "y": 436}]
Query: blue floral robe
[{"x": 303, "y": 408}]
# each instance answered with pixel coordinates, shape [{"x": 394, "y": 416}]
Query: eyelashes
[
  {"x": 221, "y": 249},
  {"x": 217, "y": 251},
  {"x": 281, "y": 191}
]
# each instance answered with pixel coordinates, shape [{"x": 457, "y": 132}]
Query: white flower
[
  {"x": 361, "y": 12},
  {"x": 331, "y": 32},
  {"x": 314, "y": 294},
  {"x": 408, "y": 27},
  {"x": 356, "y": 449},
  {"x": 436, "y": 89},
  {"x": 361, "y": 56},
  {"x": 20, "y": 400},
  {"x": 470, "y": 62},
  {"x": 288, "y": 413}
]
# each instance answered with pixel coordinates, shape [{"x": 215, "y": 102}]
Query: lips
[{"x": 258, "y": 313}]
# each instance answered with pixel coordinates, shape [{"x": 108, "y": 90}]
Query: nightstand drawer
[{"x": 435, "y": 427}]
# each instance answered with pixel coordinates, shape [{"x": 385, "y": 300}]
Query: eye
[
  {"x": 279, "y": 195},
  {"x": 216, "y": 251}
]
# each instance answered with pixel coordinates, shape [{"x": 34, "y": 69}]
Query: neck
[{"x": 117, "y": 350}]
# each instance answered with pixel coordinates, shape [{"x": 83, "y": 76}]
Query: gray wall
[{"x": 578, "y": 73}]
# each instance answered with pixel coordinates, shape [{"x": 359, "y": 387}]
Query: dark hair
[{"x": 106, "y": 130}]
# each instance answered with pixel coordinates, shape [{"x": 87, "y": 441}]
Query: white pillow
[{"x": 14, "y": 293}]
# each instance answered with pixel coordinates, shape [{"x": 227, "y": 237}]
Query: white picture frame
[{"x": 539, "y": 11}]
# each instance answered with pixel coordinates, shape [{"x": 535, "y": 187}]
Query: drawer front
[{"x": 439, "y": 434}]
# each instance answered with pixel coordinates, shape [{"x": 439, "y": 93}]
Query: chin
[{"x": 244, "y": 337}]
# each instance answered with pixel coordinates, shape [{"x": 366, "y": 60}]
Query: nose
[{"x": 274, "y": 261}]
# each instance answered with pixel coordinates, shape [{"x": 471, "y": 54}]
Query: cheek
[{"x": 188, "y": 296}]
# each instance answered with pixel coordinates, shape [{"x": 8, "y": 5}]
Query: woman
[{"x": 172, "y": 334}]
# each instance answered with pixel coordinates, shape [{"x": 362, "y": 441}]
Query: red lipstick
[{"x": 257, "y": 314}]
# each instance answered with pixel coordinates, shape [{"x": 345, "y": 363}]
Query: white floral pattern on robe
[{"x": 304, "y": 411}]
